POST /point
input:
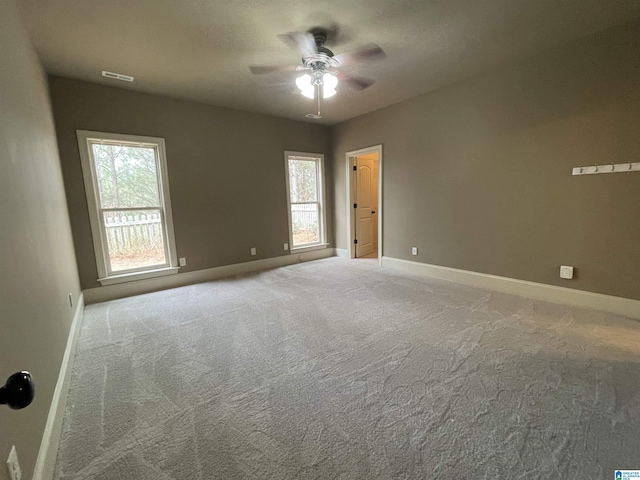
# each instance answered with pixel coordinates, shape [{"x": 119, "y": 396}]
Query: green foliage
[
  {"x": 303, "y": 186},
  {"x": 127, "y": 176},
  {"x": 302, "y": 180}
]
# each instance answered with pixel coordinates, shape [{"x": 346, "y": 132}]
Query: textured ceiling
[{"x": 200, "y": 49}]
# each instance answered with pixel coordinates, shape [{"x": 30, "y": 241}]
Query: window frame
[
  {"x": 98, "y": 231},
  {"x": 320, "y": 185}
]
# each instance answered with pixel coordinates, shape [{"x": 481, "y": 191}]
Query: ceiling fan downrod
[{"x": 318, "y": 115}]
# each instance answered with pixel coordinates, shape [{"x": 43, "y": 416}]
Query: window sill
[
  {"x": 130, "y": 277},
  {"x": 318, "y": 246}
]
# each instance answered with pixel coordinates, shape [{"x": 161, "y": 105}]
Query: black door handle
[
  {"x": 18, "y": 391},
  {"x": 373, "y": 211}
]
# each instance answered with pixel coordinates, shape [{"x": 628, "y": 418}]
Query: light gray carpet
[{"x": 339, "y": 369}]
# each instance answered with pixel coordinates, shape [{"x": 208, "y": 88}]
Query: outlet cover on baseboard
[
  {"x": 286, "y": 246},
  {"x": 253, "y": 250},
  {"x": 414, "y": 250},
  {"x": 183, "y": 261},
  {"x": 566, "y": 272}
]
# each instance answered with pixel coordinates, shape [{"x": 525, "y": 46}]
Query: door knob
[
  {"x": 18, "y": 392},
  {"x": 373, "y": 211}
]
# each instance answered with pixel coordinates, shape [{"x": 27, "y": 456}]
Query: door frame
[{"x": 350, "y": 181}]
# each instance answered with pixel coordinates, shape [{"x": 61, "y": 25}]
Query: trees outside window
[
  {"x": 128, "y": 199},
  {"x": 305, "y": 196}
]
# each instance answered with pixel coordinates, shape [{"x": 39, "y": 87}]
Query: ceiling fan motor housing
[
  {"x": 323, "y": 60},
  {"x": 326, "y": 51},
  {"x": 319, "y": 35}
]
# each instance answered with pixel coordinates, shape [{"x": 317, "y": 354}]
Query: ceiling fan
[{"x": 320, "y": 65}]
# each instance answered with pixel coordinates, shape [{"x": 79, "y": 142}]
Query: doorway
[{"x": 364, "y": 174}]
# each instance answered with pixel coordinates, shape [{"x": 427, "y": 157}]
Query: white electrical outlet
[
  {"x": 414, "y": 250},
  {"x": 13, "y": 465},
  {"x": 253, "y": 250},
  {"x": 286, "y": 246},
  {"x": 183, "y": 261},
  {"x": 566, "y": 272}
]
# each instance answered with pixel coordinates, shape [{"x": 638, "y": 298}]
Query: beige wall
[
  {"x": 37, "y": 263},
  {"x": 226, "y": 170},
  {"x": 478, "y": 175}
]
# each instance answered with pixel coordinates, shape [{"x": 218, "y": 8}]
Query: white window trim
[
  {"x": 321, "y": 197},
  {"x": 97, "y": 230}
]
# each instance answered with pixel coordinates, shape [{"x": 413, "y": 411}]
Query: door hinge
[
  {"x": 355, "y": 168},
  {"x": 355, "y": 241},
  {"x": 355, "y": 205}
]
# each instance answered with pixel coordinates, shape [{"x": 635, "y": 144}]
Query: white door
[{"x": 365, "y": 210}]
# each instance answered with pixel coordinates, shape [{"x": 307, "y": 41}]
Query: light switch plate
[
  {"x": 566, "y": 272},
  {"x": 13, "y": 465}
]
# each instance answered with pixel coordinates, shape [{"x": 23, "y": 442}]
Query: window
[
  {"x": 305, "y": 195},
  {"x": 127, "y": 191}
]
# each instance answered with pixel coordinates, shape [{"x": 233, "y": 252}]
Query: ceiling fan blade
[
  {"x": 279, "y": 88},
  {"x": 303, "y": 41},
  {"x": 263, "y": 69},
  {"x": 368, "y": 52},
  {"x": 357, "y": 83}
]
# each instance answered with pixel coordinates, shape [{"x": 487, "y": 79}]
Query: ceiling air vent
[{"x": 117, "y": 76}]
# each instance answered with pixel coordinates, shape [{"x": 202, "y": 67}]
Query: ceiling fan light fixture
[
  {"x": 329, "y": 84},
  {"x": 330, "y": 81},
  {"x": 328, "y": 92},
  {"x": 303, "y": 82}
]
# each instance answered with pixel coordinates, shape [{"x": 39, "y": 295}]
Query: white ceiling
[{"x": 200, "y": 49}]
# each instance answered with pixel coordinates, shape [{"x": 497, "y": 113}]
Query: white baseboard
[
  {"x": 111, "y": 292},
  {"x": 46, "y": 461},
  {"x": 537, "y": 291},
  {"x": 342, "y": 252}
]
